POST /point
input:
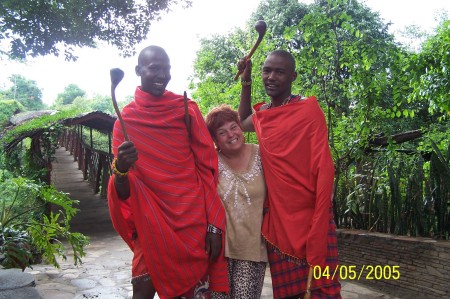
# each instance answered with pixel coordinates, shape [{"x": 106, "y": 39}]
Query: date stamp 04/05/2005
[{"x": 353, "y": 272}]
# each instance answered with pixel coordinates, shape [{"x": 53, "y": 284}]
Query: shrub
[{"x": 34, "y": 220}]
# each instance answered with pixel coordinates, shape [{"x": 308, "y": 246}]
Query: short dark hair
[
  {"x": 286, "y": 55},
  {"x": 218, "y": 116}
]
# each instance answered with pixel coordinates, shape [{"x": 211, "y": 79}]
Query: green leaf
[{"x": 405, "y": 113}]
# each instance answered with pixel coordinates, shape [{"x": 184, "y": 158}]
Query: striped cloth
[
  {"x": 289, "y": 278},
  {"x": 298, "y": 223},
  {"x": 173, "y": 193},
  {"x": 299, "y": 172}
]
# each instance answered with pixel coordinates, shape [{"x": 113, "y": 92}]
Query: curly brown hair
[{"x": 220, "y": 115}]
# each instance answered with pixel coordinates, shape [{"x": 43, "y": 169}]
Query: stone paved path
[{"x": 105, "y": 272}]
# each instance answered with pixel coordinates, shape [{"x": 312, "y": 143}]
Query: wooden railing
[{"x": 94, "y": 164}]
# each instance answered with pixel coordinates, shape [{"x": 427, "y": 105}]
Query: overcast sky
[{"x": 179, "y": 33}]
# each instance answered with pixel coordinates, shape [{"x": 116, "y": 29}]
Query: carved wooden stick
[
  {"x": 260, "y": 27},
  {"x": 117, "y": 76}
]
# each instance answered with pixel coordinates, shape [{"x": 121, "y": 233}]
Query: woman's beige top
[{"x": 243, "y": 195}]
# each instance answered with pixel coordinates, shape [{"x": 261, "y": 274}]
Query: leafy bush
[
  {"x": 7, "y": 109},
  {"x": 34, "y": 220},
  {"x": 40, "y": 123}
]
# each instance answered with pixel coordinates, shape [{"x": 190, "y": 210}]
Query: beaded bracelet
[
  {"x": 246, "y": 83},
  {"x": 212, "y": 229},
  {"x": 115, "y": 170}
]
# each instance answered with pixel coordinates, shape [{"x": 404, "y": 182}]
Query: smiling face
[
  {"x": 278, "y": 73},
  {"x": 229, "y": 138},
  {"x": 154, "y": 69}
]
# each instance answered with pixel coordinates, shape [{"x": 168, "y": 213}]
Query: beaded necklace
[
  {"x": 238, "y": 181},
  {"x": 285, "y": 101}
]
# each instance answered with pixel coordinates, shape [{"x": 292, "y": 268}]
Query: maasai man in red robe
[
  {"x": 162, "y": 194},
  {"x": 293, "y": 139}
]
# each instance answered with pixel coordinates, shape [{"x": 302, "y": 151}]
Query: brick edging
[{"x": 423, "y": 263}]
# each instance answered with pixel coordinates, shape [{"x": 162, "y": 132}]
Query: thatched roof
[
  {"x": 22, "y": 117},
  {"x": 97, "y": 120}
]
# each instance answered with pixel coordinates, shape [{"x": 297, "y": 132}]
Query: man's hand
[
  {"x": 213, "y": 245},
  {"x": 245, "y": 68},
  {"x": 245, "y": 107},
  {"x": 126, "y": 156}
]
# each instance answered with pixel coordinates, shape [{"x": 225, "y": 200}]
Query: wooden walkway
[{"x": 93, "y": 216}]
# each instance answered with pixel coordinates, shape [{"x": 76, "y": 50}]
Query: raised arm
[{"x": 245, "y": 105}]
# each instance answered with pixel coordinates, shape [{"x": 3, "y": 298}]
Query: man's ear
[
  {"x": 137, "y": 69},
  {"x": 294, "y": 76}
]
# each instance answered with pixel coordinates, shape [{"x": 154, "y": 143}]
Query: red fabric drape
[
  {"x": 299, "y": 173},
  {"x": 173, "y": 193}
]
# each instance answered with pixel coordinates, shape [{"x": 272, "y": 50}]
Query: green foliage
[
  {"x": 368, "y": 86},
  {"x": 48, "y": 27},
  {"x": 439, "y": 183},
  {"x": 79, "y": 103},
  {"x": 70, "y": 93},
  {"x": 15, "y": 250},
  {"x": 26, "y": 226},
  {"x": 46, "y": 121},
  {"x": 100, "y": 141},
  {"x": 23, "y": 161},
  {"x": 430, "y": 70},
  {"x": 29, "y": 148},
  {"x": 345, "y": 55},
  {"x": 215, "y": 65},
  {"x": 280, "y": 15},
  {"x": 104, "y": 104},
  {"x": 24, "y": 91},
  {"x": 97, "y": 103},
  {"x": 35, "y": 218},
  {"x": 7, "y": 109},
  {"x": 213, "y": 68}
]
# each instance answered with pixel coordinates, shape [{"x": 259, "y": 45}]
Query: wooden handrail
[{"x": 94, "y": 163}]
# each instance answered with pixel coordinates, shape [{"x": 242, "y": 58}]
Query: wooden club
[
  {"x": 117, "y": 76},
  {"x": 261, "y": 28}
]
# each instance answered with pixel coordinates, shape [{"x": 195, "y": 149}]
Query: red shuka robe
[
  {"x": 299, "y": 173},
  {"x": 173, "y": 193}
]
